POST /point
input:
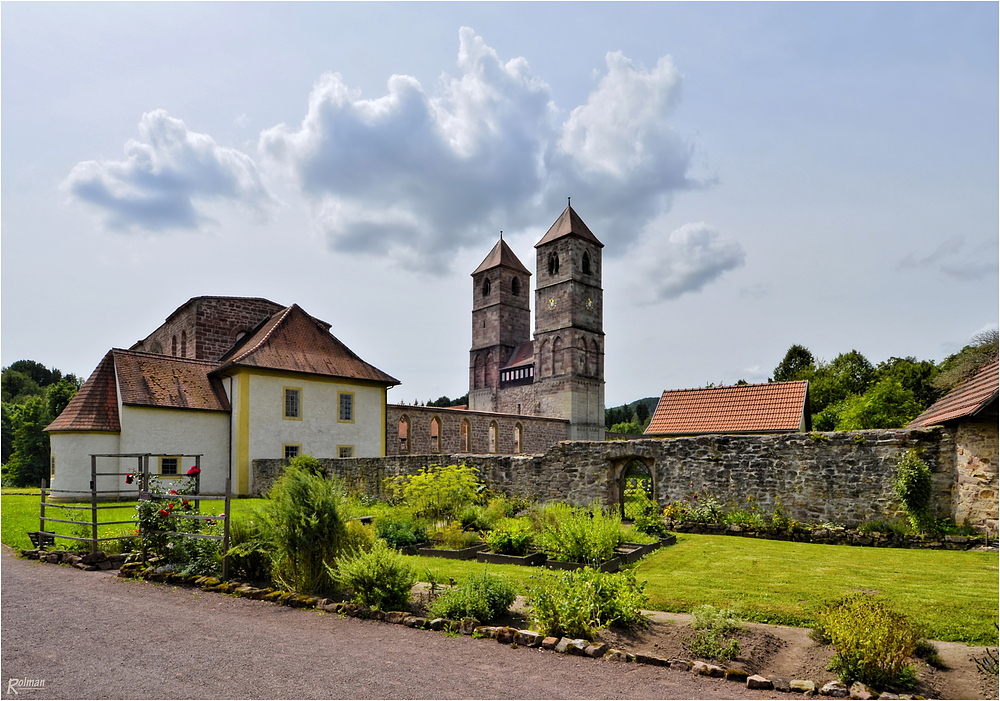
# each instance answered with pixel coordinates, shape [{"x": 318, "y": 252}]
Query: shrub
[
  {"x": 885, "y": 526},
  {"x": 400, "y": 531},
  {"x": 512, "y": 537},
  {"x": 379, "y": 578},
  {"x": 913, "y": 487},
  {"x": 436, "y": 492},
  {"x": 476, "y": 518},
  {"x": 249, "y": 547},
  {"x": 482, "y": 596},
  {"x": 872, "y": 641},
  {"x": 571, "y": 534},
  {"x": 306, "y": 529},
  {"x": 359, "y": 537},
  {"x": 452, "y": 537},
  {"x": 577, "y": 604},
  {"x": 713, "y": 625}
]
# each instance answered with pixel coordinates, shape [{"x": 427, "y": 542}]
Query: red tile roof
[
  {"x": 967, "y": 399},
  {"x": 501, "y": 255},
  {"x": 146, "y": 379},
  {"x": 768, "y": 408},
  {"x": 291, "y": 340},
  {"x": 569, "y": 223},
  {"x": 95, "y": 406},
  {"x": 523, "y": 354}
]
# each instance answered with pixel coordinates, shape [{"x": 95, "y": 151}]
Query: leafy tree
[
  {"x": 846, "y": 375},
  {"x": 632, "y": 427},
  {"x": 886, "y": 405},
  {"x": 917, "y": 376},
  {"x": 57, "y": 396},
  {"x": 29, "y": 459},
  {"x": 964, "y": 364},
  {"x": 798, "y": 364},
  {"x": 7, "y": 431},
  {"x": 642, "y": 413},
  {"x": 17, "y": 386},
  {"x": 40, "y": 375},
  {"x": 438, "y": 492},
  {"x": 444, "y": 401}
]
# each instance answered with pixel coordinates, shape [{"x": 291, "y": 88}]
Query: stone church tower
[{"x": 561, "y": 372}]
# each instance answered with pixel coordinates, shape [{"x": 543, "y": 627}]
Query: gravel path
[{"x": 90, "y": 635}]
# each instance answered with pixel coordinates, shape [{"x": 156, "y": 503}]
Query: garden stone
[
  {"x": 468, "y": 625},
  {"x": 94, "y": 557},
  {"x": 550, "y": 643},
  {"x": 860, "y": 691},
  {"x": 85, "y": 568},
  {"x": 890, "y": 697},
  {"x": 596, "y": 650},
  {"x": 708, "y": 670},
  {"x": 834, "y": 689},
  {"x": 436, "y": 623},
  {"x": 578, "y": 647},
  {"x": 210, "y": 582},
  {"x": 410, "y": 621},
  {"x": 106, "y": 565},
  {"x": 70, "y": 557},
  {"x": 655, "y": 661},
  {"x": 758, "y": 682},
  {"x": 781, "y": 684},
  {"x": 528, "y": 638},
  {"x": 678, "y": 663},
  {"x": 616, "y": 655},
  {"x": 563, "y": 645},
  {"x": 395, "y": 616},
  {"x": 505, "y": 636},
  {"x": 488, "y": 632},
  {"x": 736, "y": 675},
  {"x": 802, "y": 685}
]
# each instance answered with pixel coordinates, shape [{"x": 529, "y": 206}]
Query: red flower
[
  {"x": 186, "y": 504},
  {"x": 173, "y": 491},
  {"x": 194, "y": 470},
  {"x": 164, "y": 513},
  {"x": 128, "y": 478}
]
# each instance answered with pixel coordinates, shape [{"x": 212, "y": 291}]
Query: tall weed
[
  {"x": 482, "y": 596},
  {"x": 578, "y": 603},
  {"x": 380, "y": 578},
  {"x": 572, "y": 534}
]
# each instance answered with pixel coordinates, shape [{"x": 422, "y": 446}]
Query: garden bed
[
  {"x": 633, "y": 552},
  {"x": 836, "y": 536},
  {"x": 529, "y": 560},
  {"x": 612, "y": 565},
  {"x": 463, "y": 554}
]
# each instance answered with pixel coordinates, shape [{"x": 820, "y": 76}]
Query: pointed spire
[
  {"x": 569, "y": 223},
  {"x": 501, "y": 255}
]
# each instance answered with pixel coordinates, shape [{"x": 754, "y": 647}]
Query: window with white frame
[
  {"x": 346, "y": 400},
  {"x": 293, "y": 403},
  {"x": 345, "y": 451},
  {"x": 291, "y": 450}
]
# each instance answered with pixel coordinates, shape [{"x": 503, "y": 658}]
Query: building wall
[
  {"x": 261, "y": 431},
  {"x": 844, "y": 477},
  {"x": 975, "y": 476},
  {"x": 538, "y": 433},
  {"x": 72, "y": 450}
]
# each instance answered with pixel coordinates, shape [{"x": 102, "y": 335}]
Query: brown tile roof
[
  {"x": 95, "y": 406},
  {"x": 523, "y": 354},
  {"x": 291, "y": 340},
  {"x": 767, "y": 408},
  {"x": 501, "y": 255},
  {"x": 146, "y": 379},
  {"x": 569, "y": 223},
  {"x": 967, "y": 399}
]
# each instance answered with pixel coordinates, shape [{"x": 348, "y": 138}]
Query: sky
[{"x": 761, "y": 175}]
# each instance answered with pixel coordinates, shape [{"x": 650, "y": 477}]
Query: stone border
[
  {"x": 835, "y": 536},
  {"x": 509, "y": 636},
  {"x": 82, "y": 560}
]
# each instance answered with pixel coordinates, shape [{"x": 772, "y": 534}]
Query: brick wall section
[
  {"x": 844, "y": 478},
  {"x": 975, "y": 471},
  {"x": 538, "y": 433},
  {"x": 211, "y": 324}
]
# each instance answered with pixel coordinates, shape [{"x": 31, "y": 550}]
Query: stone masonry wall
[
  {"x": 975, "y": 493},
  {"x": 844, "y": 478}
]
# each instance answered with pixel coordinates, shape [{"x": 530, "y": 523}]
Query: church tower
[
  {"x": 501, "y": 320},
  {"x": 569, "y": 326}
]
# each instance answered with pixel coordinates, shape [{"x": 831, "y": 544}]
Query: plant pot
[
  {"x": 529, "y": 560},
  {"x": 612, "y": 565},
  {"x": 463, "y": 554}
]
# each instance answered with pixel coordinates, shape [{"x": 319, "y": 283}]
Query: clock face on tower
[
  {"x": 590, "y": 304},
  {"x": 552, "y": 302}
]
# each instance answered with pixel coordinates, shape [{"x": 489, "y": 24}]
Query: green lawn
[{"x": 952, "y": 594}]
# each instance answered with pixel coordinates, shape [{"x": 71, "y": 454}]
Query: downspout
[{"x": 230, "y": 467}]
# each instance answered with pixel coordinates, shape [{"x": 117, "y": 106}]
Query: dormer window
[
  {"x": 585, "y": 264},
  {"x": 553, "y": 264},
  {"x": 515, "y": 287},
  {"x": 486, "y": 287}
]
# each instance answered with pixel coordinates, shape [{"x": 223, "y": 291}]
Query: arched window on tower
[
  {"x": 404, "y": 434},
  {"x": 173, "y": 346},
  {"x": 436, "y": 434},
  {"x": 585, "y": 264},
  {"x": 486, "y": 287},
  {"x": 515, "y": 287},
  {"x": 466, "y": 445},
  {"x": 553, "y": 264},
  {"x": 518, "y": 437},
  {"x": 557, "y": 359},
  {"x": 184, "y": 344},
  {"x": 493, "y": 436}
]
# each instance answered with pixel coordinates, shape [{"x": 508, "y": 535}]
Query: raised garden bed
[
  {"x": 411, "y": 549},
  {"x": 836, "y": 536},
  {"x": 612, "y": 565},
  {"x": 463, "y": 554},
  {"x": 529, "y": 560}
]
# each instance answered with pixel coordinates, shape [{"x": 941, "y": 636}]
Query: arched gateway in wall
[{"x": 634, "y": 485}]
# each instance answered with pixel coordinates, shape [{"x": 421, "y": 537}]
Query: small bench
[{"x": 41, "y": 539}]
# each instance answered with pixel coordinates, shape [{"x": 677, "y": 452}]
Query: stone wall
[
  {"x": 975, "y": 471},
  {"x": 844, "y": 478}
]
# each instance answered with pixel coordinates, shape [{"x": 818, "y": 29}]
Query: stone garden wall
[{"x": 843, "y": 477}]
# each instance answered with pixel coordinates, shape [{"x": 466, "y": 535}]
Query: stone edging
[
  {"x": 835, "y": 536},
  {"x": 507, "y": 636}
]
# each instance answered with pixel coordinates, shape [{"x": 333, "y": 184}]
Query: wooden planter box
[
  {"x": 464, "y": 554},
  {"x": 630, "y": 552},
  {"x": 529, "y": 560},
  {"x": 612, "y": 565},
  {"x": 411, "y": 549}
]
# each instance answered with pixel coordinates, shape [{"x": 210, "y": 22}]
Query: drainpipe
[{"x": 230, "y": 466}]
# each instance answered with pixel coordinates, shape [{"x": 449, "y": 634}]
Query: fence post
[
  {"x": 93, "y": 503},
  {"x": 41, "y": 516},
  {"x": 225, "y": 536}
]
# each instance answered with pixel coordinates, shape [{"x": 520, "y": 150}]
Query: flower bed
[
  {"x": 836, "y": 536},
  {"x": 463, "y": 554},
  {"x": 529, "y": 560}
]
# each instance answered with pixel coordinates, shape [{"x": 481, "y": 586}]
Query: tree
[
  {"x": 886, "y": 405},
  {"x": 914, "y": 375},
  {"x": 798, "y": 364},
  {"x": 29, "y": 459},
  {"x": 847, "y": 375},
  {"x": 962, "y": 365},
  {"x": 42, "y": 376},
  {"x": 17, "y": 386}
]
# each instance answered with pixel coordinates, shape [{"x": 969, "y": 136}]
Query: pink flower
[{"x": 194, "y": 470}]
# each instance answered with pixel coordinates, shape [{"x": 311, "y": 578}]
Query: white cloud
[
  {"x": 958, "y": 259},
  {"x": 667, "y": 266},
  {"x": 417, "y": 176},
  {"x": 165, "y": 177}
]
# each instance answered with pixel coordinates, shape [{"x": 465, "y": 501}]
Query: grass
[{"x": 953, "y": 595}]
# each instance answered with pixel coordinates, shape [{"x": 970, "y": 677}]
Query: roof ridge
[
  {"x": 278, "y": 318},
  {"x": 210, "y": 363}
]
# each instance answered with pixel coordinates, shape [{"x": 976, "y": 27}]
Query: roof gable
[
  {"x": 95, "y": 406},
  {"x": 163, "y": 381},
  {"x": 291, "y": 340},
  {"x": 569, "y": 223},
  {"x": 501, "y": 255},
  {"x": 766, "y": 408},
  {"x": 966, "y": 399}
]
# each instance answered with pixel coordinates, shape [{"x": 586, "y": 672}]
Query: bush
[
  {"x": 482, "y": 596},
  {"x": 438, "y": 493},
  {"x": 512, "y": 537},
  {"x": 578, "y": 603},
  {"x": 872, "y": 641},
  {"x": 452, "y": 537},
  {"x": 713, "y": 625},
  {"x": 303, "y": 517},
  {"x": 379, "y": 578},
  {"x": 571, "y": 534},
  {"x": 400, "y": 531},
  {"x": 913, "y": 487},
  {"x": 249, "y": 547}
]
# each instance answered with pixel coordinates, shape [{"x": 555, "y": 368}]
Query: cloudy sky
[{"x": 761, "y": 174}]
